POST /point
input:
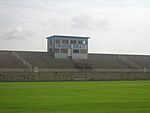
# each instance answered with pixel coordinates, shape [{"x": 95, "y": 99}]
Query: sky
[{"x": 115, "y": 26}]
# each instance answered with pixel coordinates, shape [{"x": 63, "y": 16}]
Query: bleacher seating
[
  {"x": 6, "y": 60},
  {"x": 107, "y": 61},
  {"x": 44, "y": 60},
  {"x": 142, "y": 60},
  {"x": 94, "y": 61}
]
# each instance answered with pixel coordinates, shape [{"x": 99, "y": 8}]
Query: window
[
  {"x": 50, "y": 50},
  {"x": 50, "y": 41},
  {"x": 83, "y": 51},
  {"x": 63, "y": 50},
  {"x": 64, "y": 41},
  {"x": 85, "y": 42},
  {"x": 75, "y": 50},
  {"x": 57, "y": 41},
  {"x": 56, "y": 50},
  {"x": 82, "y": 42},
  {"x": 73, "y": 41}
]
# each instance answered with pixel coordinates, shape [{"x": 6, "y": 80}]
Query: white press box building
[{"x": 68, "y": 47}]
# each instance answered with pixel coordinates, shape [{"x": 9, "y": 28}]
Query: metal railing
[{"x": 22, "y": 60}]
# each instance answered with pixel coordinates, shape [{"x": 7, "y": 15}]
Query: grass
[{"x": 75, "y": 97}]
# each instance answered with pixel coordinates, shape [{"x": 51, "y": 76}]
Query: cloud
[
  {"x": 14, "y": 34},
  {"x": 86, "y": 22},
  {"x": 117, "y": 2},
  {"x": 82, "y": 22},
  {"x": 103, "y": 24},
  {"x": 25, "y": 21}
]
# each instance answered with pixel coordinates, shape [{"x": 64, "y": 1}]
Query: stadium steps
[
  {"x": 44, "y": 60},
  {"x": 6, "y": 60}
]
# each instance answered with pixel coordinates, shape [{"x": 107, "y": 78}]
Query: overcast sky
[{"x": 115, "y": 26}]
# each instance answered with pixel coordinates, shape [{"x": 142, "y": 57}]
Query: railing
[{"x": 22, "y": 60}]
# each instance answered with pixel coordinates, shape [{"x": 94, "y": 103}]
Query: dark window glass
[
  {"x": 64, "y": 41},
  {"x": 63, "y": 50},
  {"x": 50, "y": 41},
  {"x": 56, "y": 50},
  {"x": 57, "y": 41},
  {"x": 76, "y": 51},
  {"x": 73, "y": 42},
  {"x": 50, "y": 50},
  {"x": 82, "y": 42},
  {"x": 86, "y": 42}
]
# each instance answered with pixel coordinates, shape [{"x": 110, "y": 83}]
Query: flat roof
[{"x": 63, "y": 36}]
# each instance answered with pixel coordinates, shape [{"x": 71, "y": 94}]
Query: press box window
[
  {"x": 83, "y": 51},
  {"x": 50, "y": 41},
  {"x": 76, "y": 51},
  {"x": 64, "y": 41},
  {"x": 57, "y": 41},
  {"x": 63, "y": 50},
  {"x": 50, "y": 50},
  {"x": 56, "y": 50},
  {"x": 73, "y": 42},
  {"x": 82, "y": 42}
]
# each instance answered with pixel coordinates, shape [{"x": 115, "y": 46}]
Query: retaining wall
[{"x": 75, "y": 75}]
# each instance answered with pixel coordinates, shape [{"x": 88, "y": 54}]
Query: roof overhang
[{"x": 63, "y": 36}]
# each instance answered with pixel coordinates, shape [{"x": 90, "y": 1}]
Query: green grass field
[{"x": 75, "y": 97}]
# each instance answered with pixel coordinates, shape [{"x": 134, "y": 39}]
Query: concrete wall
[
  {"x": 61, "y": 55},
  {"x": 79, "y": 56},
  {"x": 76, "y": 75},
  {"x": 74, "y": 55}
]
